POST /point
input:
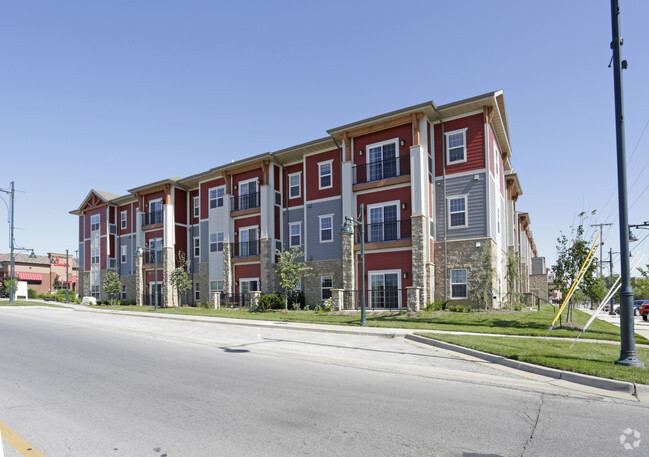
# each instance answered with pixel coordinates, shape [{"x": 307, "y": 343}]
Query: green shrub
[
  {"x": 436, "y": 306},
  {"x": 31, "y": 293},
  {"x": 296, "y": 300},
  {"x": 270, "y": 301}
]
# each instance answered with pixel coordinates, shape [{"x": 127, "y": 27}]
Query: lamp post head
[
  {"x": 346, "y": 227},
  {"x": 32, "y": 255}
]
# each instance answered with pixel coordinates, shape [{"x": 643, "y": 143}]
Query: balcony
[
  {"x": 246, "y": 201},
  {"x": 384, "y": 169},
  {"x": 246, "y": 249},
  {"x": 388, "y": 231},
  {"x": 154, "y": 217},
  {"x": 151, "y": 257}
]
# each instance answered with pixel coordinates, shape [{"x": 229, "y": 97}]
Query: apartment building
[{"x": 432, "y": 184}]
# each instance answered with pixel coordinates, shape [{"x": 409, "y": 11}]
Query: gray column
[
  {"x": 215, "y": 300},
  {"x": 228, "y": 282},
  {"x": 413, "y": 298},
  {"x": 254, "y": 299},
  {"x": 267, "y": 270}
]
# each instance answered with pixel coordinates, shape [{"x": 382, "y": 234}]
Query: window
[
  {"x": 94, "y": 291},
  {"x": 326, "y": 228},
  {"x": 122, "y": 252},
  {"x": 384, "y": 289},
  {"x": 155, "y": 212},
  {"x": 197, "y": 206},
  {"x": 124, "y": 220},
  {"x": 197, "y": 247},
  {"x": 216, "y": 286},
  {"x": 382, "y": 160},
  {"x": 295, "y": 231},
  {"x": 248, "y": 195},
  {"x": 248, "y": 285},
  {"x": 94, "y": 222},
  {"x": 498, "y": 219},
  {"x": 294, "y": 185},
  {"x": 155, "y": 246},
  {"x": 324, "y": 171},
  {"x": 278, "y": 199},
  {"x": 384, "y": 222},
  {"x": 496, "y": 163},
  {"x": 216, "y": 242},
  {"x": 216, "y": 197},
  {"x": 456, "y": 146},
  {"x": 326, "y": 284},
  {"x": 123, "y": 296},
  {"x": 197, "y": 291},
  {"x": 458, "y": 284},
  {"x": 94, "y": 256},
  {"x": 457, "y": 212}
]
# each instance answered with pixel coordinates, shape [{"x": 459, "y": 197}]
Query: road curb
[{"x": 641, "y": 391}]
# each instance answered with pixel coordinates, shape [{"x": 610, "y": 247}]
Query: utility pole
[
  {"x": 601, "y": 237},
  {"x": 628, "y": 355}
]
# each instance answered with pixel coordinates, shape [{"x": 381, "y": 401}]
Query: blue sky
[{"x": 113, "y": 95}]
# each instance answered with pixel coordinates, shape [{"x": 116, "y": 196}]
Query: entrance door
[{"x": 384, "y": 290}]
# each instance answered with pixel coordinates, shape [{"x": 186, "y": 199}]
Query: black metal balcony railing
[
  {"x": 246, "y": 201},
  {"x": 383, "y": 298},
  {"x": 388, "y": 231},
  {"x": 151, "y": 257},
  {"x": 235, "y": 300},
  {"x": 154, "y": 217},
  {"x": 387, "y": 168},
  {"x": 246, "y": 249}
]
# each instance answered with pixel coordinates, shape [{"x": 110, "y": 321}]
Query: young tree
[
  {"x": 596, "y": 289},
  {"x": 7, "y": 285},
  {"x": 485, "y": 288},
  {"x": 179, "y": 278},
  {"x": 112, "y": 285},
  {"x": 290, "y": 271},
  {"x": 56, "y": 283},
  {"x": 512, "y": 275}
]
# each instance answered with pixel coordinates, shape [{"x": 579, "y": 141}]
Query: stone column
[
  {"x": 139, "y": 281},
  {"x": 419, "y": 254},
  {"x": 337, "y": 296},
  {"x": 254, "y": 299},
  {"x": 170, "y": 297},
  {"x": 267, "y": 270},
  {"x": 228, "y": 281},
  {"x": 349, "y": 270},
  {"x": 215, "y": 300},
  {"x": 413, "y": 298}
]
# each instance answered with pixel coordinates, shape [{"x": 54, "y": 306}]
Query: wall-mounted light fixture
[
  {"x": 236, "y": 233},
  {"x": 235, "y": 187},
  {"x": 360, "y": 153},
  {"x": 404, "y": 206},
  {"x": 403, "y": 143},
  {"x": 405, "y": 275}
]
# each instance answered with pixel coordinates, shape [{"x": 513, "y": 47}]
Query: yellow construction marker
[{"x": 17, "y": 442}]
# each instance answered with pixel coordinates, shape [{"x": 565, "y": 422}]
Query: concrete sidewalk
[{"x": 639, "y": 391}]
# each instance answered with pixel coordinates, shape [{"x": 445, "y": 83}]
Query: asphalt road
[{"x": 90, "y": 384}]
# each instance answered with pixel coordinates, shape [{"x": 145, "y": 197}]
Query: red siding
[
  {"x": 313, "y": 175},
  {"x": 181, "y": 242},
  {"x": 248, "y": 175},
  {"x": 402, "y": 132},
  {"x": 150, "y": 275},
  {"x": 103, "y": 254},
  {"x": 247, "y": 271},
  {"x": 246, "y": 222},
  {"x": 180, "y": 206},
  {"x": 129, "y": 224},
  {"x": 276, "y": 172},
  {"x": 290, "y": 202},
  {"x": 402, "y": 194},
  {"x": 474, "y": 140},
  {"x": 277, "y": 222},
  {"x": 86, "y": 256},
  {"x": 81, "y": 227},
  {"x": 396, "y": 260},
  {"x": 152, "y": 235}
]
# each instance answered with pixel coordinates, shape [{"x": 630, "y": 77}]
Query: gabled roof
[{"x": 93, "y": 199}]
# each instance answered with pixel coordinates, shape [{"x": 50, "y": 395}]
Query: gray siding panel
[
  {"x": 127, "y": 268},
  {"x": 205, "y": 242},
  {"x": 292, "y": 215},
  {"x": 476, "y": 206},
  {"x": 315, "y": 249}
]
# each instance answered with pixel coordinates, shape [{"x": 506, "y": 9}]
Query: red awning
[
  {"x": 30, "y": 277},
  {"x": 71, "y": 281}
]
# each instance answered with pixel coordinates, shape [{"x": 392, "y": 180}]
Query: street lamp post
[
  {"x": 155, "y": 269},
  {"x": 12, "y": 245},
  {"x": 360, "y": 221},
  {"x": 67, "y": 281}
]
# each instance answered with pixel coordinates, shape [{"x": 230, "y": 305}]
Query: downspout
[{"x": 439, "y": 117}]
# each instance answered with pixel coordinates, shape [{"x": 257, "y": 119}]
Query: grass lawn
[
  {"x": 594, "y": 359},
  {"x": 29, "y": 303},
  {"x": 526, "y": 323}
]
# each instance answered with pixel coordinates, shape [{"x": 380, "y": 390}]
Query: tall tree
[
  {"x": 179, "y": 278},
  {"x": 112, "y": 286},
  {"x": 290, "y": 271}
]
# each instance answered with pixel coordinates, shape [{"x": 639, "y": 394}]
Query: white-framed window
[
  {"x": 155, "y": 211},
  {"x": 248, "y": 285},
  {"x": 459, "y": 286},
  {"x": 94, "y": 256},
  {"x": 294, "y": 187},
  {"x": 122, "y": 253},
  {"x": 457, "y": 213},
  {"x": 456, "y": 146},
  {"x": 295, "y": 233},
  {"x": 384, "y": 289},
  {"x": 326, "y": 228},
  {"x": 498, "y": 219},
  {"x": 123, "y": 295},
  {"x": 383, "y": 222},
  {"x": 197, "y": 247},
  {"x": 496, "y": 162},
  {"x": 382, "y": 160},
  {"x": 325, "y": 172},
  {"x": 94, "y": 291},
  {"x": 94, "y": 222},
  {"x": 216, "y": 286},
  {"x": 216, "y": 197},
  {"x": 197, "y": 207},
  {"x": 216, "y": 242},
  {"x": 124, "y": 220},
  {"x": 248, "y": 197},
  {"x": 197, "y": 291},
  {"x": 248, "y": 241},
  {"x": 326, "y": 284}
]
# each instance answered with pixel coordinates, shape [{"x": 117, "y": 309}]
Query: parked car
[
  {"x": 644, "y": 311},
  {"x": 637, "y": 304}
]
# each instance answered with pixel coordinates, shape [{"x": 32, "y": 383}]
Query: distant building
[
  {"x": 39, "y": 273},
  {"x": 436, "y": 184}
]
